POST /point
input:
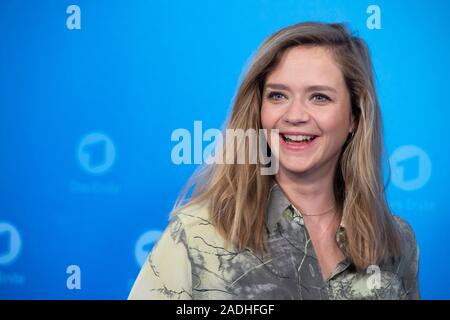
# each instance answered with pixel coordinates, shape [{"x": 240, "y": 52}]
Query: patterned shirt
[{"x": 190, "y": 261}]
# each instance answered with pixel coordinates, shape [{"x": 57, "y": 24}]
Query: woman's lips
[{"x": 297, "y": 145}]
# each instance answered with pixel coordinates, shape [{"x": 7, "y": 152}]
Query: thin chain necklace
[{"x": 315, "y": 214}]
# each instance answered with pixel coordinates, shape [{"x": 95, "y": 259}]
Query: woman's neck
[{"x": 313, "y": 197}]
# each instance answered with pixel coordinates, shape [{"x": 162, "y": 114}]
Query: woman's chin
[{"x": 295, "y": 168}]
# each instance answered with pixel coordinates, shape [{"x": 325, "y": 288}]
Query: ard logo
[
  {"x": 411, "y": 167},
  {"x": 96, "y": 153},
  {"x": 10, "y": 243}
]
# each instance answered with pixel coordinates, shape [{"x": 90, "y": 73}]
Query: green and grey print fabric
[{"x": 190, "y": 261}]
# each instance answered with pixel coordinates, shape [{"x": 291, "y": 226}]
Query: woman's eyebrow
[
  {"x": 320, "y": 88},
  {"x": 279, "y": 86}
]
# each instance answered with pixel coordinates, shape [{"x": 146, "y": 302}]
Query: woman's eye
[
  {"x": 276, "y": 96},
  {"x": 320, "y": 98}
]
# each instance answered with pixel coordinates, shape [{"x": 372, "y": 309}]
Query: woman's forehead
[{"x": 306, "y": 66}]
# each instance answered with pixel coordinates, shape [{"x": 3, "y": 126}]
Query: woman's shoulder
[
  {"x": 405, "y": 230},
  {"x": 193, "y": 215},
  {"x": 410, "y": 248},
  {"x": 195, "y": 223},
  {"x": 408, "y": 267}
]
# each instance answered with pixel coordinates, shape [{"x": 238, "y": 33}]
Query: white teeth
[{"x": 298, "y": 137}]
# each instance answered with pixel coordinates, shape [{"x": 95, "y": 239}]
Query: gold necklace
[{"x": 316, "y": 214}]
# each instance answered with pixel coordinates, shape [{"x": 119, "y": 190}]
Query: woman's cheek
[{"x": 265, "y": 118}]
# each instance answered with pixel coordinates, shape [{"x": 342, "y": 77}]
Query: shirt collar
[{"x": 278, "y": 203}]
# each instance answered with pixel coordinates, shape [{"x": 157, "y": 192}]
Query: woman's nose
[{"x": 296, "y": 113}]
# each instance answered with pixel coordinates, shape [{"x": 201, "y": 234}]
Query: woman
[{"x": 320, "y": 227}]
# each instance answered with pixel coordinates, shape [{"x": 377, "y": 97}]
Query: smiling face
[{"x": 306, "y": 96}]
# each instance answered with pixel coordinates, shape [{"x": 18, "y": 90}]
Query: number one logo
[
  {"x": 96, "y": 153},
  {"x": 411, "y": 167}
]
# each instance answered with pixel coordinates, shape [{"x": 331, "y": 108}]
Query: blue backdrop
[{"x": 91, "y": 91}]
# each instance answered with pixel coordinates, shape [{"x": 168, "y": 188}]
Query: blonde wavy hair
[{"x": 237, "y": 194}]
